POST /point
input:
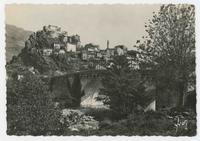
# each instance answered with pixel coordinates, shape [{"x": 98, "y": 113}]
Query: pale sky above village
[{"x": 120, "y": 24}]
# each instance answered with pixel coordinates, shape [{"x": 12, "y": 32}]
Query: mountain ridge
[{"x": 15, "y": 40}]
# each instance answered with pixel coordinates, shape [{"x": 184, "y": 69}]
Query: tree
[
  {"x": 121, "y": 87},
  {"x": 170, "y": 46}
]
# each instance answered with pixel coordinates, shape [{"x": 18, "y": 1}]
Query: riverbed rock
[{"x": 75, "y": 120}]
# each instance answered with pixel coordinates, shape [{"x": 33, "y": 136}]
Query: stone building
[
  {"x": 71, "y": 48},
  {"x": 47, "y": 52},
  {"x": 52, "y": 30},
  {"x": 91, "y": 47},
  {"x": 64, "y": 36},
  {"x": 110, "y": 52},
  {"x": 90, "y": 51},
  {"x": 84, "y": 55},
  {"x": 56, "y": 46},
  {"x": 120, "y": 50},
  {"x": 62, "y": 51},
  {"x": 99, "y": 55}
]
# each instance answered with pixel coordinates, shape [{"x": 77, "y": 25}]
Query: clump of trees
[{"x": 123, "y": 90}]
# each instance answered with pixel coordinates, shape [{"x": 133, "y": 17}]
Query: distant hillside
[{"x": 15, "y": 38}]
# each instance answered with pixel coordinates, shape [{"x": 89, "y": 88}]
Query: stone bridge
[
  {"x": 84, "y": 74},
  {"x": 87, "y": 81},
  {"x": 90, "y": 81}
]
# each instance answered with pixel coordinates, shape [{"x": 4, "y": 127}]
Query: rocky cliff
[{"x": 45, "y": 51}]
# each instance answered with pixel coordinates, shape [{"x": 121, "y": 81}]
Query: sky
[{"x": 120, "y": 24}]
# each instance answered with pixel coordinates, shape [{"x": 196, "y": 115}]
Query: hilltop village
[{"x": 60, "y": 43}]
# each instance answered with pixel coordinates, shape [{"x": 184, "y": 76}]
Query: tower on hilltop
[{"x": 107, "y": 43}]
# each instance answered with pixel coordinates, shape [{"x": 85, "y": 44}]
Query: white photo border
[{"x": 3, "y": 124}]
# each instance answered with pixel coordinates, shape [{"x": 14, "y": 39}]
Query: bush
[
  {"x": 30, "y": 110},
  {"x": 158, "y": 123},
  {"x": 75, "y": 120},
  {"x": 102, "y": 114},
  {"x": 185, "y": 115},
  {"x": 149, "y": 123}
]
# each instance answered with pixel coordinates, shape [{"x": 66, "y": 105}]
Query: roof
[
  {"x": 121, "y": 46},
  {"x": 110, "y": 48},
  {"x": 91, "y": 45}
]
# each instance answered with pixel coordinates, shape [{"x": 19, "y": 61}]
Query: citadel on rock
[{"x": 58, "y": 42}]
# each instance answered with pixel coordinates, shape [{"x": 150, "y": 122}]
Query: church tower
[{"x": 107, "y": 43}]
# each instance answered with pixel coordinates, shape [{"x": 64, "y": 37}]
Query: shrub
[
  {"x": 101, "y": 114},
  {"x": 32, "y": 113},
  {"x": 75, "y": 120},
  {"x": 185, "y": 115},
  {"x": 149, "y": 123}
]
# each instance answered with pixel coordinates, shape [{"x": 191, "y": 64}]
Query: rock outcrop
[
  {"x": 46, "y": 50},
  {"x": 75, "y": 120}
]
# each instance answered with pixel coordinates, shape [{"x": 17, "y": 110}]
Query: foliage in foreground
[
  {"x": 29, "y": 107},
  {"x": 169, "y": 49},
  {"x": 32, "y": 115},
  {"x": 140, "y": 123},
  {"x": 75, "y": 120}
]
